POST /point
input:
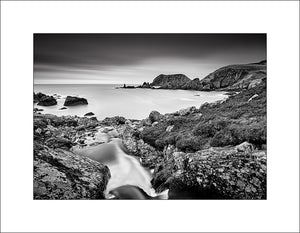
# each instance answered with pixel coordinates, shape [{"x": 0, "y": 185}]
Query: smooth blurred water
[{"x": 107, "y": 101}]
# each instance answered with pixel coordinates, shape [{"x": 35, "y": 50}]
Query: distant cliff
[{"x": 231, "y": 77}]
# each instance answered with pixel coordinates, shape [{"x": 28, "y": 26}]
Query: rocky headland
[{"x": 227, "y": 78}]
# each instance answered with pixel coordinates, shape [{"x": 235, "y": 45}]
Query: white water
[{"x": 125, "y": 169}]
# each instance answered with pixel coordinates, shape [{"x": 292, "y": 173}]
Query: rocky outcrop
[
  {"x": 146, "y": 85},
  {"x": 61, "y": 174},
  {"x": 235, "y": 77},
  {"x": 44, "y": 100},
  {"x": 37, "y": 97},
  {"x": 89, "y": 114},
  {"x": 194, "y": 84},
  {"x": 154, "y": 116},
  {"x": 172, "y": 81},
  {"x": 58, "y": 172},
  {"x": 212, "y": 174},
  {"x": 72, "y": 101}
]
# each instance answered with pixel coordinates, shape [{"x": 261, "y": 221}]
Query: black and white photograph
[{"x": 150, "y": 116}]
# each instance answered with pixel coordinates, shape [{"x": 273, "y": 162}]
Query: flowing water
[{"x": 124, "y": 169}]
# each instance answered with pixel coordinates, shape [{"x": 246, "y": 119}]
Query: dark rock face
[
  {"x": 89, "y": 114},
  {"x": 173, "y": 81},
  {"x": 72, "y": 101},
  {"x": 146, "y": 85},
  {"x": 154, "y": 116},
  {"x": 47, "y": 101},
  {"x": 37, "y": 97},
  {"x": 148, "y": 155},
  {"x": 61, "y": 174},
  {"x": 194, "y": 84},
  {"x": 38, "y": 110}
]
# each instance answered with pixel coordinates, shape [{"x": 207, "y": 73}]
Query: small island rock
[
  {"x": 89, "y": 114},
  {"x": 72, "y": 101},
  {"x": 47, "y": 101}
]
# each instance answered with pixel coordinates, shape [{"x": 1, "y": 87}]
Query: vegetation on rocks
[{"x": 223, "y": 123}]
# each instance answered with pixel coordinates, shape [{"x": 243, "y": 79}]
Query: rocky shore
[{"x": 213, "y": 151}]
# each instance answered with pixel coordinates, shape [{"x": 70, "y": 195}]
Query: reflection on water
[{"x": 125, "y": 169}]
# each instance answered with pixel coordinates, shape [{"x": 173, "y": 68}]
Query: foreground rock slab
[{"x": 61, "y": 174}]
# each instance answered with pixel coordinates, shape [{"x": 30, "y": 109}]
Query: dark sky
[{"x": 135, "y": 58}]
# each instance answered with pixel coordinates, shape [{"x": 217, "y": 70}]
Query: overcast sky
[{"x": 135, "y": 58}]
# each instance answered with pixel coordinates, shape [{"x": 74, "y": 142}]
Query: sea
[{"x": 107, "y": 100}]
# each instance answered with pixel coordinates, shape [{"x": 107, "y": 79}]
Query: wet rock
[
  {"x": 47, "y": 101},
  {"x": 154, "y": 116},
  {"x": 60, "y": 174},
  {"x": 37, "y": 97},
  {"x": 89, "y": 114},
  {"x": 73, "y": 101},
  {"x": 37, "y": 110}
]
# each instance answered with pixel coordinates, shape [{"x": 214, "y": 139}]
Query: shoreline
[{"x": 152, "y": 142}]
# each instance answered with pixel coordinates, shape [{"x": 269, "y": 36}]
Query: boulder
[
  {"x": 89, "y": 114},
  {"x": 37, "y": 97},
  {"x": 63, "y": 175},
  {"x": 47, "y": 101},
  {"x": 187, "y": 111},
  {"x": 210, "y": 174},
  {"x": 154, "y": 116},
  {"x": 72, "y": 101}
]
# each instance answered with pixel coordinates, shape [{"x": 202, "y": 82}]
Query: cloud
[{"x": 131, "y": 57}]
